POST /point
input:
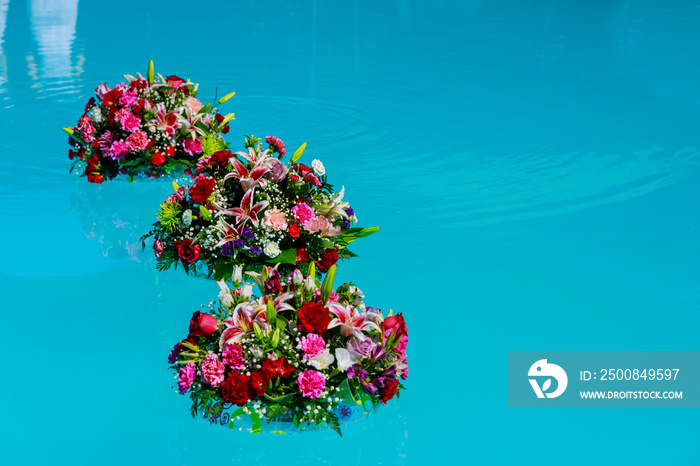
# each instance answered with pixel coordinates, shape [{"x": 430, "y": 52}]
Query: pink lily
[
  {"x": 230, "y": 232},
  {"x": 350, "y": 321},
  {"x": 167, "y": 122},
  {"x": 249, "y": 179},
  {"x": 241, "y": 322},
  {"x": 247, "y": 211}
]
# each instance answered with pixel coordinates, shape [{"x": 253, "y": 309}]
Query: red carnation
[
  {"x": 396, "y": 324},
  {"x": 202, "y": 324},
  {"x": 202, "y": 189},
  {"x": 237, "y": 389},
  {"x": 187, "y": 251},
  {"x": 302, "y": 255},
  {"x": 278, "y": 368},
  {"x": 328, "y": 258},
  {"x": 158, "y": 158},
  {"x": 294, "y": 230},
  {"x": 169, "y": 151},
  {"x": 389, "y": 390},
  {"x": 314, "y": 318},
  {"x": 260, "y": 381}
]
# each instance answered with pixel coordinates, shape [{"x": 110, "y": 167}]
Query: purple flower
[
  {"x": 72, "y": 142},
  {"x": 356, "y": 371},
  {"x": 255, "y": 250},
  {"x": 174, "y": 353},
  {"x": 247, "y": 233},
  {"x": 227, "y": 249},
  {"x": 101, "y": 90},
  {"x": 239, "y": 243},
  {"x": 278, "y": 171},
  {"x": 360, "y": 348}
]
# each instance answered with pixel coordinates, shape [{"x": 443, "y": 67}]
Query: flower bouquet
[
  {"x": 250, "y": 209},
  {"x": 149, "y": 126},
  {"x": 300, "y": 353}
]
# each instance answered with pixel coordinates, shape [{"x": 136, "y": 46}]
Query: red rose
[
  {"x": 158, "y": 158},
  {"x": 237, "y": 389},
  {"x": 174, "y": 81},
  {"x": 396, "y": 324},
  {"x": 293, "y": 177},
  {"x": 187, "y": 251},
  {"x": 220, "y": 158},
  {"x": 225, "y": 129},
  {"x": 202, "y": 189},
  {"x": 328, "y": 258},
  {"x": 302, "y": 255},
  {"x": 219, "y": 118},
  {"x": 260, "y": 382},
  {"x": 314, "y": 318},
  {"x": 389, "y": 390},
  {"x": 294, "y": 230},
  {"x": 202, "y": 324},
  {"x": 279, "y": 368}
]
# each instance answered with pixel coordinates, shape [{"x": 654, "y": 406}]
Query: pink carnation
[
  {"x": 185, "y": 378},
  {"x": 277, "y": 144},
  {"x": 118, "y": 150},
  {"x": 158, "y": 248},
  {"x": 233, "y": 356},
  {"x": 86, "y": 128},
  {"x": 311, "y": 383},
  {"x": 122, "y": 113},
  {"x": 130, "y": 122},
  {"x": 303, "y": 213},
  {"x": 128, "y": 99},
  {"x": 323, "y": 225},
  {"x": 312, "y": 345},
  {"x": 401, "y": 345},
  {"x": 212, "y": 370},
  {"x": 275, "y": 218},
  {"x": 138, "y": 140},
  {"x": 194, "y": 105},
  {"x": 192, "y": 146}
]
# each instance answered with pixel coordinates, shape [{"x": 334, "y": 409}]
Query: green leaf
[
  {"x": 282, "y": 400},
  {"x": 222, "y": 270},
  {"x": 204, "y": 108},
  {"x": 345, "y": 253},
  {"x": 367, "y": 231},
  {"x": 327, "y": 286},
  {"x": 287, "y": 256},
  {"x": 151, "y": 72},
  {"x": 297, "y": 153}
]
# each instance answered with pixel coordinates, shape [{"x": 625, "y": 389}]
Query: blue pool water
[{"x": 533, "y": 164}]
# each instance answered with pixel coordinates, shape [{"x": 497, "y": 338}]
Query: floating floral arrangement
[
  {"x": 250, "y": 209},
  {"x": 146, "y": 126},
  {"x": 300, "y": 351}
]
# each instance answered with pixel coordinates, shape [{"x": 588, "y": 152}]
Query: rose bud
[
  {"x": 396, "y": 324},
  {"x": 202, "y": 324}
]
